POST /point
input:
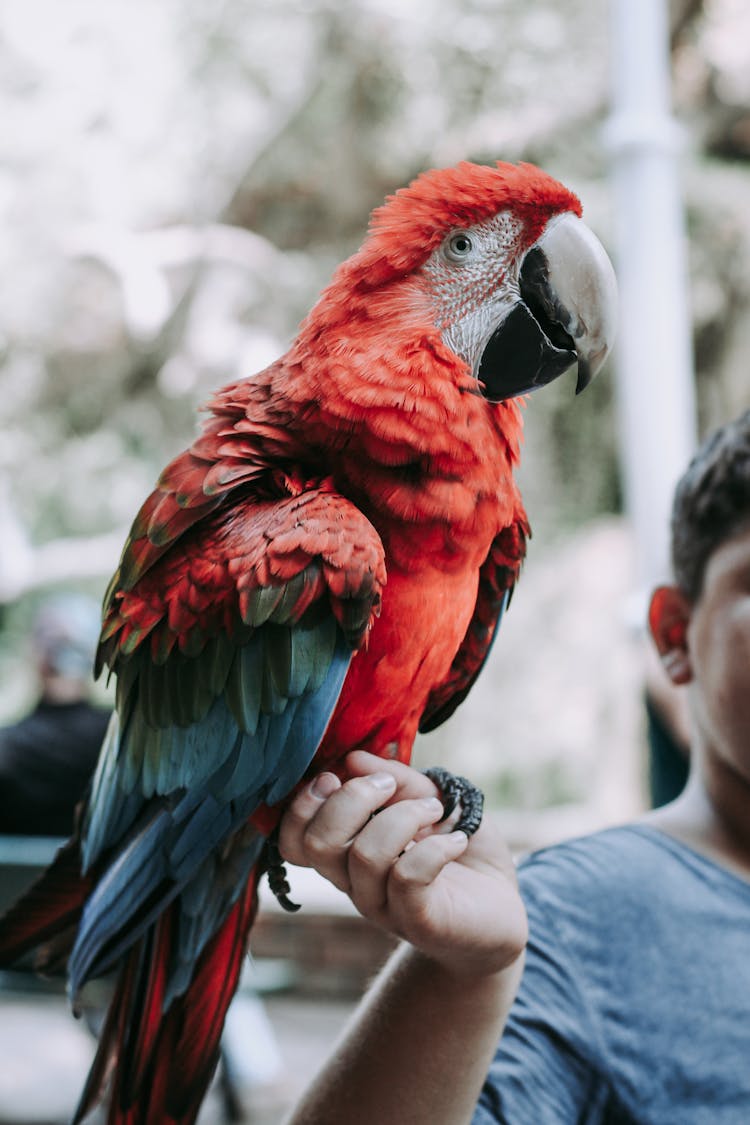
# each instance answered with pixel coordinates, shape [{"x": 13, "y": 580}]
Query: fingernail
[
  {"x": 432, "y": 804},
  {"x": 382, "y": 781},
  {"x": 324, "y": 785}
]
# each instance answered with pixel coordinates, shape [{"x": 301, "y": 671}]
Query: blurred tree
[{"x": 178, "y": 181}]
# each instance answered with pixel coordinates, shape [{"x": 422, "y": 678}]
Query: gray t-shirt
[{"x": 635, "y": 1000}]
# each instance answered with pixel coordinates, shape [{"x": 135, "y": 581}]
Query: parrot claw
[
  {"x": 455, "y": 789},
  {"x": 276, "y": 871}
]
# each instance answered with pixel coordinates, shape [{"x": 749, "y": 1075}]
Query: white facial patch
[{"x": 473, "y": 280}]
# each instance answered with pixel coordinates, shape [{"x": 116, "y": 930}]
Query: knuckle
[
  {"x": 296, "y": 816},
  {"x": 289, "y": 839},
  {"x": 361, "y": 855},
  {"x": 402, "y": 877},
  {"x": 317, "y": 846}
]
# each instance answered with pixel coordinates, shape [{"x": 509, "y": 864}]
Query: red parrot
[{"x": 323, "y": 569}]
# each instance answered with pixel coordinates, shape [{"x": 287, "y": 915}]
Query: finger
[
  {"x": 419, "y": 867},
  {"x": 301, "y": 811},
  {"x": 410, "y": 782},
  {"x": 328, "y": 834},
  {"x": 378, "y": 846},
  {"x": 443, "y": 826}
]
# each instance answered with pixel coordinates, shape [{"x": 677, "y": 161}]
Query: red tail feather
[
  {"x": 50, "y": 907},
  {"x": 165, "y": 1062}
]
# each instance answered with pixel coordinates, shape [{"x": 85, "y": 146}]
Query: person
[
  {"x": 667, "y": 734},
  {"x": 46, "y": 759},
  {"x": 609, "y": 981}
]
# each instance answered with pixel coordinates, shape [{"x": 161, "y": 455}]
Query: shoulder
[
  {"x": 599, "y": 891},
  {"x": 623, "y": 853},
  {"x": 603, "y": 880}
]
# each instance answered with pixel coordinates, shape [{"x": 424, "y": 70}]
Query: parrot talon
[
  {"x": 455, "y": 789},
  {"x": 277, "y": 877}
]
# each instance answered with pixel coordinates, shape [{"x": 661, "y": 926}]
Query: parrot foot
[
  {"x": 276, "y": 871},
  {"x": 454, "y": 789}
]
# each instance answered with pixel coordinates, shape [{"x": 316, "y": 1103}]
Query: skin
[
  {"x": 705, "y": 647},
  {"x": 432, "y": 1021},
  {"x": 446, "y": 993}
]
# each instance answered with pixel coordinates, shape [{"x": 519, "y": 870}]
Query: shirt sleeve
[{"x": 545, "y": 1068}]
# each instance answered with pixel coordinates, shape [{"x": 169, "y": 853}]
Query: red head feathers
[{"x": 411, "y": 224}]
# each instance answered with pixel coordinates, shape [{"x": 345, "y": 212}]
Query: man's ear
[{"x": 668, "y": 619}]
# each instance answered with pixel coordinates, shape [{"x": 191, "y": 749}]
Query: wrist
[
  {"x": 483, "y": 953},
  {"x": 489, "y": 976}
]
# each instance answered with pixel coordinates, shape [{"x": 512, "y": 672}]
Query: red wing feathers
[
  {"x": 246, "y": 435},
  {"x": 248, "y": 564}
]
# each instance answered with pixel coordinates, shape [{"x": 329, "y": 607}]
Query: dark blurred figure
[
  {"x": 47, "y": 758},
  {"x": 667, "y": 734}
]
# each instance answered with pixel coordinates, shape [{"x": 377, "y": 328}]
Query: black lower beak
[{"x": 520, "y": 357}]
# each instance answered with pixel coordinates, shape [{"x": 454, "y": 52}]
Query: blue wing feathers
[
  {"x": 121, "y": 891},
  {"x": 208, "y": 897},
  {"x": 174, "y": 797},
  {"x": 310, "y": 721}
]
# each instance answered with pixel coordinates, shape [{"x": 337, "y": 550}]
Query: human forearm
[
  {"x": 417, "y": 1050},
  {"x": 419, "y": 1047}
]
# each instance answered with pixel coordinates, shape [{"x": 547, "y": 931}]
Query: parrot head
[{"x": 518, "y": 286}]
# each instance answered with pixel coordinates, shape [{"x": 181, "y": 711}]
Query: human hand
[{"x": 377, "y": 838}]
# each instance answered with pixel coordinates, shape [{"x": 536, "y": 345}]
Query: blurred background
[{"x": 177, "y": 182}]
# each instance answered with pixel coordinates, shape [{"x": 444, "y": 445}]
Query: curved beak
[{"x": 566, "y": 313}]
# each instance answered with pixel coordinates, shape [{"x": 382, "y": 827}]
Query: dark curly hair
[{"x": 711, "y": 503}]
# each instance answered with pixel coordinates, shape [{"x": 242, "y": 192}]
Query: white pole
[{"x": 655, "y": 389}]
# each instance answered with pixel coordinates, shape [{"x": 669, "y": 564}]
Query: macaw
[{"x": 323, "y": 569}]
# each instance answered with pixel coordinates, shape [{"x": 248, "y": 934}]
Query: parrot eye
[{"x": 458, "y": 246}]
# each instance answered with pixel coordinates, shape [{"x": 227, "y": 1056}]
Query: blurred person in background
[
  {"x": 47, "y": 758},
  {"x": 46, "y": 762},
  {"x": 609, "y": 981}
]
